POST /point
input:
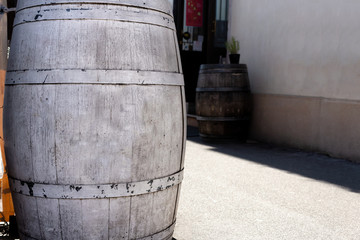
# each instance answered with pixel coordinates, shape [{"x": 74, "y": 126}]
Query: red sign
[{"x": 194, "y": 13}]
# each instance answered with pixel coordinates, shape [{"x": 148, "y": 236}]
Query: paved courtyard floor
[{"x": 236, "y": 191}]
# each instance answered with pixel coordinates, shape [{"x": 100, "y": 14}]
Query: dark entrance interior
[
  {"x": 202, "y": 32},
  {"x": 11, "y": 4}
]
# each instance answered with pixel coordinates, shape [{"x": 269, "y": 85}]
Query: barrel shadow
[{"x": 308, "y": 164}]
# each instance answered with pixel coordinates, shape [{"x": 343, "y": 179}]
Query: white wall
[
  {"x": 306, "y": 48},
  {"x": 303, "y": 58}
]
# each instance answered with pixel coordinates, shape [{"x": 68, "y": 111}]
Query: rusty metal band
[
  {"x": 161, "y": 6},
  {"x": 78, "y": 76},
  {"x": 223, "y": 89},
  {"x": 90, "y": 191},
  {"x": 222, "y": 119},
  {"x": 223, "y": 66},
  {"x": 93, "y": 12},
  {"x": 210, "y": 136}
]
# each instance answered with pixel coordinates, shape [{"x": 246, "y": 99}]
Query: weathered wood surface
[
  {"x": 95, "y": 126},
  {"x": 223, "y": 101}
]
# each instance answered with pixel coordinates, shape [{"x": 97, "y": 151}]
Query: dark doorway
[
  {"x": 200, "y": 40},
  {"x": 11, "y": 16}
]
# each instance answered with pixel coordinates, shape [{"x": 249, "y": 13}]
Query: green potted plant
[{"x": 233, "y": 48}]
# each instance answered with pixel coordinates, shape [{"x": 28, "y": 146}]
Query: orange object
[{"x": 7, "y": 203}]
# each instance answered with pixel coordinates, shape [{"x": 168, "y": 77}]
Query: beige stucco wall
[{"x": 309, "y": 51}]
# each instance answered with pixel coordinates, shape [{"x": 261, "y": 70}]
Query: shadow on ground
[{"x": 308, "y": 164}]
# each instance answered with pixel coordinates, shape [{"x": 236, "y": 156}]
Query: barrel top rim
[
  {"x": 161, "y": 6},
  {"x": 222, "y": 66}
]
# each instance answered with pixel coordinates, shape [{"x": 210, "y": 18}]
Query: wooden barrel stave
[
  {"x": 128, "y": 218},
  {"x": 98, "y": 116},
  {"x": 30, "y": 40},
  {"x": 223, "y": 128},
  {"x": 220, "y": 104},
  {"x": 102, "y": 112}
]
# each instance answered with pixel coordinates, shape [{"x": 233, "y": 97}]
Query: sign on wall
[{"x": 194, "y": 13}]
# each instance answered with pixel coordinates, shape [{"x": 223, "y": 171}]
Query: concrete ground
[{"x": 235, "y": 191}]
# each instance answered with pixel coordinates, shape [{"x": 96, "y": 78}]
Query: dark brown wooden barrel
[
  {"x": 94, "y": 149},
  {"x": 223, "y": 101}
]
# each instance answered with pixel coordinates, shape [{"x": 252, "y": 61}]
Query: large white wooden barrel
[{"x": 94, "y": 119}]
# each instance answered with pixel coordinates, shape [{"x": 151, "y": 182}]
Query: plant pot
[{"x": 234, "y": 58}]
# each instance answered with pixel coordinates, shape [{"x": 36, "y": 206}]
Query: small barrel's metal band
[
  {"x": 222, "y": 119},
  {"x": 78, "y": 76},
  {"x": 93, "y": 12},
  {"x": 222, "y": 66},
  {"x": 223, "y": 89},
  {"x": 89, "y": 191},
  {"x": 224, "y": 70}
]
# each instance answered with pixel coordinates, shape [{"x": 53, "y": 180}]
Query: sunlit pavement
[{"x": 237, "y": 191}]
